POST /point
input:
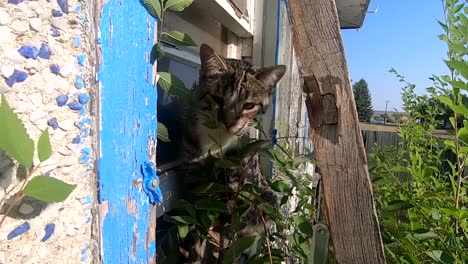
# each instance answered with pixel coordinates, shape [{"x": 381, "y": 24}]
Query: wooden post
[
  {"x": 127, "y": 135},
  {"x": 340, "y": 154}
]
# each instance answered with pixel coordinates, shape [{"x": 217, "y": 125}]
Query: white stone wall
[{"x": 49, "y": 92}]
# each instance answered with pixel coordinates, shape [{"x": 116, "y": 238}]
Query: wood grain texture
[
  {"x": 127, "y": 133},
  {"x": 337, "y": 139}
]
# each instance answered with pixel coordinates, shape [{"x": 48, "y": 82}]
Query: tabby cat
[{"x": 230, "y": 96}]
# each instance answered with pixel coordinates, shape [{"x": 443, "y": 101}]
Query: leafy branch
[
  {"x": 167, "y": 81},
  {"x": 17, "y": 144}
]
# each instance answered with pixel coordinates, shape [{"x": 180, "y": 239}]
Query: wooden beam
[{"x": 340, "y": 154}]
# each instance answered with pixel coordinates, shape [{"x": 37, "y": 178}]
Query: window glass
[
  {"x": 179, "y": 60},
  {"x": 170, "y": 109}
]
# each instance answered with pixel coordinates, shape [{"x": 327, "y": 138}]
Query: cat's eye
[{"x": 248, "y": 106}]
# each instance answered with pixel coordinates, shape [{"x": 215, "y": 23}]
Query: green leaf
[
  {"x": 435, "y": 214},
  {"x": 252, "y": 147},
  {"x": 210, "y": 188},
  {"x": 424, "y": 234},
  {"x": 183, "y": 231},
  {"x": 460, "y": 109},
  {"x": 271, "y": 211},
  {"x": 205, "y": 220},
  {"x": 44, "y": 150},
  {"x": 440, "y": 256},
  {"x": 48, "y": 189},
  {"x": 304, "y": 225},
  {"x": 443, "y": 37},
  {"x": 452, "y": 212},
  {"x": 156, "y": 53},
  {"x": 163, "y": 133},
  {"x": 398, "y": 205},
  {"x": 211, "y": 205},
  {"x": 184, "y": 205},
  {"x": 172, "y": 85},
  {"x": 153, "y": 7},
  {"x": 446, "y": 100},
  {"x": 457, "y": 8},
  {"x": 14, "y": 139},
  {"x": 236, "y": 249},
  {"x": 460, "y": 67},
  {"x": 444, "y": 26},
  {"x": 184, "y": 219},
  {"x": 177, "y": 5},
  {"x": 228, "y": 163},
  {"x": 449, "y": 143},
  {"x": 281, "y": 187},
  {"x": 180, "y": 38}
]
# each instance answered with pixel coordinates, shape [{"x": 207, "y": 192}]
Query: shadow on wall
[{"x": 12, "y": 175}]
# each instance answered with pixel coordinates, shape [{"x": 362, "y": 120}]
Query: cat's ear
[
  {"x": 210, "y": 61},
  {"x": 271, "y": 75}
]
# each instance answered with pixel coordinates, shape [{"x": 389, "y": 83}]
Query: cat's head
[{"x": 241, "y": 91}]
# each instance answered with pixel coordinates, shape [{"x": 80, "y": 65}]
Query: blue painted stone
[
  {"x": 55, "y": 32},
  {"x": 77, "y": 41},
  {"x": 78, "y": 8},
  {"x": 87, "y": 200},
  {"x": 86, "y": 151},
  {"x": 23, "y": 228},
  {"x": 49, "y": 230},
  {"x": 83, "y": 159},
  {"x": 54, "y": 68},
  {"x": 76, "y": 140},
  {"x": 83, "y": 111},
  {"x": 21, "y": 76},
  {"x": 29, "y": 52},
  {"x": 85, "y": 131},
  {"x": 62, "y": 100},
  {"x": 81, "y": 59},
  {"x": 63, "y": 5},
  {"x": 83, "y": 98},
  {"x": 56, "y": 13},
  {"x": 75, "y": 106},
  {"x": 15, "y": 1},
  {"x": 86, "y": 120},
  {"x": 16, "y": 77},
  {"x": 44, "y": 51},
  {"x": 53, "y": 123},
  {"x": 79, "y": 82}
]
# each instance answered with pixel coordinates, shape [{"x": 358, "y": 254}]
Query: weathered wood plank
[
  {"x": 335, "y": 132},
  {"x": 127, "y": 133}
]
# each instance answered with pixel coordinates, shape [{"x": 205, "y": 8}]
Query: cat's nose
[{"x": 230, "y": 118}]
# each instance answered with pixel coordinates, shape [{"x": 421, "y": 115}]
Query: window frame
[{"x": 246, "y": 38}]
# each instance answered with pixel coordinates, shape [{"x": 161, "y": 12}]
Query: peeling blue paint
[{"x": 127, "y": 98}]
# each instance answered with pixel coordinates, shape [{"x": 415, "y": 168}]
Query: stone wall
[{"x": 46, "y": 78}]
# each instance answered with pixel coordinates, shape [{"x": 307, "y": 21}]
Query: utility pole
[{"x": 385, "y": 115}]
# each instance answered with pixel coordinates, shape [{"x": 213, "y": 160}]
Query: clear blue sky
[{"x": 402, "y": 35}]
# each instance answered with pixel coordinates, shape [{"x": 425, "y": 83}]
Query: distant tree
[{"x": 363, "y": 101}]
